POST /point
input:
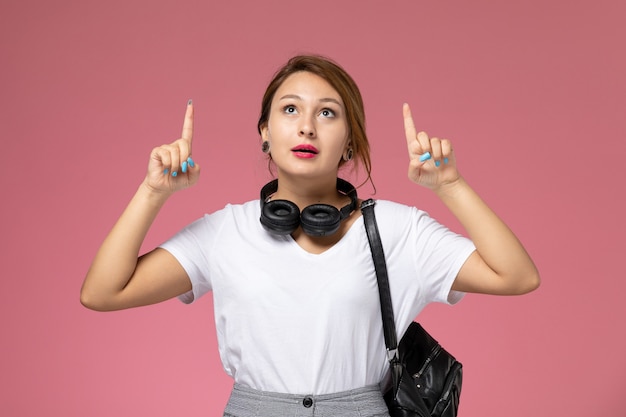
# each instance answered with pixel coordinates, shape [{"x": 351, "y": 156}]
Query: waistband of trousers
[{"x": 357, "y": 392}]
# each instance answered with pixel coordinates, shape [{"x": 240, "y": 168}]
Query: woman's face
[{"x": 307, "y": 127}]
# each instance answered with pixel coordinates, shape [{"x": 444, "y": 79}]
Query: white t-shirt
[{"x": 294, "y": 322}]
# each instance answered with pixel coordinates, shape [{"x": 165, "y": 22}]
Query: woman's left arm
[{"x": 500, "y": 265}]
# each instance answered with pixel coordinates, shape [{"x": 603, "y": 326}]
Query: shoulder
[
  {"x": 391, "y": 207},
  {"x": 249, "y": 209},
  {"x": 231, "y": 215},
  {"x": 402, "y": 223},
  {"x": 393, "y": 213}
]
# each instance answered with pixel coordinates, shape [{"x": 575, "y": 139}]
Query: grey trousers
[{"x": 362, "y": 402}]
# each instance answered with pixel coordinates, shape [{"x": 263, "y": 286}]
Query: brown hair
[{"x": 345, "y": 86}]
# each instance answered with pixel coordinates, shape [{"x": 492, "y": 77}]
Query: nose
[{"x": 307, "y": 127}]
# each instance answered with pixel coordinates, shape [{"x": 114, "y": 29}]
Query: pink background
[{"x": 532, "y": 93}]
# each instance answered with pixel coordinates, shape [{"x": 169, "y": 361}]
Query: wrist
[
  {"x": 451, "y": 189},
  {"x": 152, "y": 195}
]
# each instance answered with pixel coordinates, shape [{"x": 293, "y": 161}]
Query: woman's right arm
[{"x": 118, "y": 277}]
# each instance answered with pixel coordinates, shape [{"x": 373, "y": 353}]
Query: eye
[
  {"x": 327, "y": 113},
  {"x": 290, "y": 109}
]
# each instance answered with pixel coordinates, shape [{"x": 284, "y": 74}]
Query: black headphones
[{"x": 282, "y": 217}]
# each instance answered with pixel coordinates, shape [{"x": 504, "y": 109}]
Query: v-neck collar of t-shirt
[{"x": 357, "y": 224}]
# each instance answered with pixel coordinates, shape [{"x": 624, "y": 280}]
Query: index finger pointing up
[
  {"x": 188, "y": 123},
  {"x": 412, "y": 142},
  {"x": 409, "y": 126}
]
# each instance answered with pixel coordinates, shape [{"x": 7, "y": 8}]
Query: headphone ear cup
[
  {"x": 280, "y": 217},
  {"x": 320, "y": 220}
]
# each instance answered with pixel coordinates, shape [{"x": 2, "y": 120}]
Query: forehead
[{"x": 307, "y": 85}]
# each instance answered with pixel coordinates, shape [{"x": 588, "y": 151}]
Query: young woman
[{"x": 295, "y": 294}]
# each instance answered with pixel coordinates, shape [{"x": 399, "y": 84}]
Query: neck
[{"x": 305, "y": 192}]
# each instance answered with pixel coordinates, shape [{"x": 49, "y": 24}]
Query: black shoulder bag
[{"x": 426, "y": 379}]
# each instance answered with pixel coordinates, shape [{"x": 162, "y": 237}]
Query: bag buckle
[{"x": 392, "y": 355}]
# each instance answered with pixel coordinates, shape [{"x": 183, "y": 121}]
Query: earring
[
  {"x": 265, "y": 147},
  {"x": 348, "y": 155}
]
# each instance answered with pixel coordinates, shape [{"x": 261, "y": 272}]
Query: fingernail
[
  {"x": 425, "y": 157},
  {"x": 174, "y": 173},
  {"x": 190, "y": 161},
  {"x": 437, "y": 163},
  {"x": 165, "y": 171},
  {"x": 445, "y": 160},
  {"x": 184, "y": 166},
  {"x": 190, "y": 102}
]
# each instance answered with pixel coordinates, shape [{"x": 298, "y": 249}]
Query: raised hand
[
  {"x": 431, "y": 160},
  {"x": 171, "y": 167}
]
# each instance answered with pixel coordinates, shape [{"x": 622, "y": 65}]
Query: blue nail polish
[
  {"x": 425, "y": 157},
  {"x": 189, "y": 102},
  {"x": 184, "y": 167},
  {"x": 174, "y": 173},
  {"x": 445, "y": 160},
  {"x": 190, "y": 161},
  {"x": 165, "y": 171},
  {"x": 437, "y": 163}
]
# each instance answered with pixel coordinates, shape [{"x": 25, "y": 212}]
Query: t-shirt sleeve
[
  {"x": 424, "y": 257},
  {"x": 442, "y": 253},
  {"x": 192, "y": 246}
]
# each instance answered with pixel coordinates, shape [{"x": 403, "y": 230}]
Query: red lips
[{"x": 305, "y": 151}]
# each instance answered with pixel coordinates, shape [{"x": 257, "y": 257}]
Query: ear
[{"x": 265, "y": 132}]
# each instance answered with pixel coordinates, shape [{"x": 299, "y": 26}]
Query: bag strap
[{"x": 378, "y": 256}]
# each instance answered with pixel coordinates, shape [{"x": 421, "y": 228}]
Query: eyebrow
[{"x": 322, "y": 100}]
